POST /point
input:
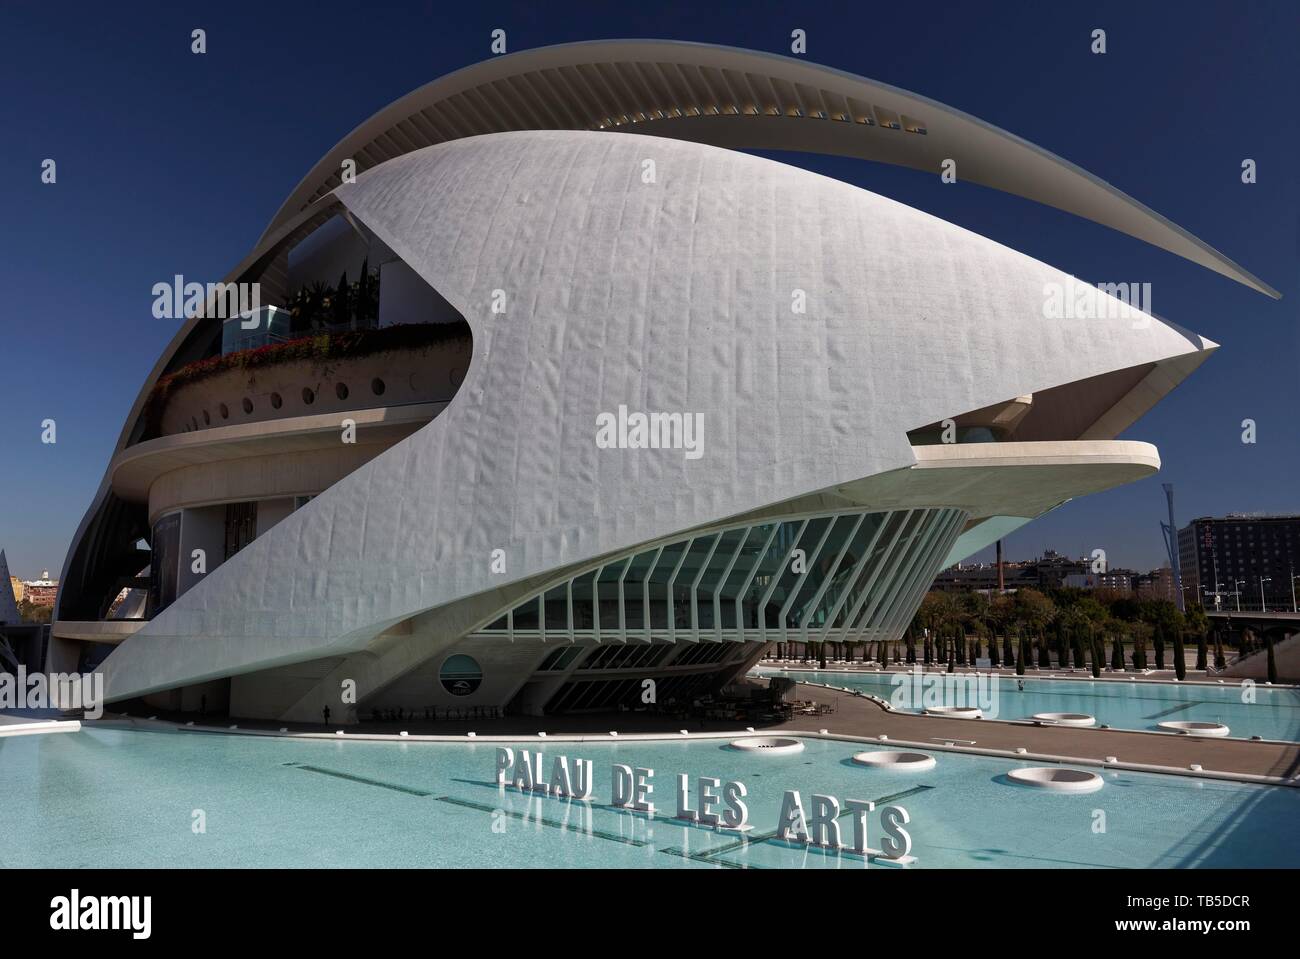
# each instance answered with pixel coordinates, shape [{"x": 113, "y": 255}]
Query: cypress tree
[
  {"x": 1272, "y": 663},
  {"x": 1158, "y": 641},
  {"x": 821, "y": 649},
  {"x": 1020, "y": 659},
  {"x": 1202, "y": 654},
  {"x": 952, "y": 661},
  {"x": 993, "y": 654},
  {"x": 1096, "y": 658},
  {"x": 1180, "y": 656},
  {"x": 1117, "y": 657},
  {"x": 1044, "y": 657}
]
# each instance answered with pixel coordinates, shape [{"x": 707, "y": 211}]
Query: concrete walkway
[{"x": 860, "y": 716}]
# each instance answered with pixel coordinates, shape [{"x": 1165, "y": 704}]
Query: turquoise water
[
  {"x": 124, "y": 798},
  {"x": 1275, "y": 713}
]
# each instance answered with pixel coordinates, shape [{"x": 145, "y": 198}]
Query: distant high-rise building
[
  {"x": 1157, "y": 584},
  {"x": 1232, "y": 561}
]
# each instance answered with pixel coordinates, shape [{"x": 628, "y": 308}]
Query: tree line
[{"x": 1065, "y": 628}]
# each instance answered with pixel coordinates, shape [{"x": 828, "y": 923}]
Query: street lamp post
[
  {"x": 1236, "y": 589},
  {"x": 1262, "y": 581}
]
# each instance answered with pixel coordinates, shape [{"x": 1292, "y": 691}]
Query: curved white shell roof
[
  {"x": 669, "y": 296},
  {"x": 741, "y": 99}
]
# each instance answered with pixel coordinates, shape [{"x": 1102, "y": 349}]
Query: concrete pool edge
[
  {"x": 167, "y": 726},
  {"x": 1082, "y": 675}
]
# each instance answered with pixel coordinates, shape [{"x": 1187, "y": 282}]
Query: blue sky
[{"x": 173, "y": 163}]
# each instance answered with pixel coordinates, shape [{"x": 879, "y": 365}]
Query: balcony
[
  {"x": 330, "y": 371},
  {"x": 263, "y": 327}
]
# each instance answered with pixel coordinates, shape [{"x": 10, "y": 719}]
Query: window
[
  {"x": 377, "y": 386},
  {"x": 560, "y": 658},
  {"x": 241, "y": 526},
  {"x": 308, "y": 396},
  {"x": 460, "y": 675},
  {"x": 341, "y": 390},
  {"x": 163, "y": 563},
  {"x": 248, "y": 405},
  {"x": 276, "y": 401}
]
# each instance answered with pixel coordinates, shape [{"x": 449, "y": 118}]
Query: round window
[{"x": 460, "y": 675}]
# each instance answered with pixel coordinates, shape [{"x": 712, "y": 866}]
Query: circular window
[
  {"x": 341, "y": 390},
  {"x": 276, "y": 401},
  {"x": 248, "y": 405},
  {"x": 207, "y": 420},
  {"x": 224, "y": 410},
  {"x": 308, "y": 396},
  {"x": 460, "y": 675},
  {"x": 377, "y": 386}
]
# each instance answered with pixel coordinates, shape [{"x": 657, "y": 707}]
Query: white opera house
[{"x": 563, "y": 391}]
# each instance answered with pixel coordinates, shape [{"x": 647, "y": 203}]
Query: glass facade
[
  {"x": 843, "y": 576},
  {"x": 164, "y": 569}
]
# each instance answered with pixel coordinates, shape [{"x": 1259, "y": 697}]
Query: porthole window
[
  {"x": 341, "y": 390},
  {"x": 276, "y": 401},
  {"x": 377, "y": 386},
  {"x": 224, "y": 410},
  {"x": 248, "y": 405},
  {"x": 308, "y": 396},
  {"x": 460, "y": 675}
]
